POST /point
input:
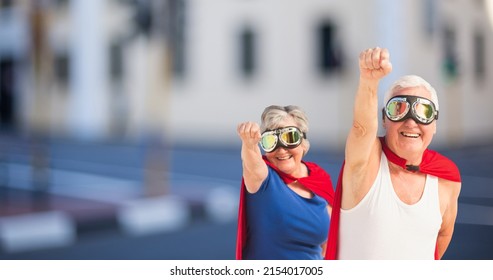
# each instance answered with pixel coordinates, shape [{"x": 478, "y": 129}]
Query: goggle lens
[
  {"x": 290, "y": 137},
  {"x": 268, "y": 142},
  {"x": 424, "y": 111},
  {"x": 397, "y": 109}
]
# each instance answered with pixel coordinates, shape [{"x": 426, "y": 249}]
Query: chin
[{"x": 286, "y": 166}]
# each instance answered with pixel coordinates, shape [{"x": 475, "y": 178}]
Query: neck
[
  {"x": 410, "y": 163},
  {"x": 411, "y": 158}
]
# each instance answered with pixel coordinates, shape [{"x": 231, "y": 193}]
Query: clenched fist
[
  {"x": 374, "y": 63},
  {"x": 249, "y": 133}
]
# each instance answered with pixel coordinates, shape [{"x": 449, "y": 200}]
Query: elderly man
[{"x": 395, "y": 198}]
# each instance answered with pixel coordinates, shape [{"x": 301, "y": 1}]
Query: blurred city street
[
  {"x": 90, "y": 183},
  {"x": 117, "y": 133}
]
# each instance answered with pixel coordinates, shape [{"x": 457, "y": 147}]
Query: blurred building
[{"x": 190, "y": 70}]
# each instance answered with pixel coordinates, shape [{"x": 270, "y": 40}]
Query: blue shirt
[{"x": 284, "y": 225}]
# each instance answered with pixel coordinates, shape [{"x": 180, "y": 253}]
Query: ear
[{"x": 305, "y": 151}]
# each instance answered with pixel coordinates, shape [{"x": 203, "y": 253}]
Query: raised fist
[
  {"x": 249, "y": 133},
  {"x": 374, "y": 63}
]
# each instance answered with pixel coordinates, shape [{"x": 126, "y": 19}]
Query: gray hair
[
  {"x": 274, "y": 114},
  {"x": 411, "y": 81}
]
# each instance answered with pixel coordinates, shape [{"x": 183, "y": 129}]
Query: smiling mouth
[
  {"x": 285, "y": 158},
  {"x": 410, "y": 135}
]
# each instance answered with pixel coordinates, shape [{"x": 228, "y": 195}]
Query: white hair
[{"x": 411, "y": 81}]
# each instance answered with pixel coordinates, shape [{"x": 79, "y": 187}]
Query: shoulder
[
  {"x": 433, "y": 155},
  {"x": 448, "y": 191},
  {"x": 313, "y": 167},
  {"x": 449, "y": 186},
  {"x": 317, "y": 173},
  {"x": 441, "y": 166}
]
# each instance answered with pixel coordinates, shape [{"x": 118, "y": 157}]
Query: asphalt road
[{"x": 195, "y": 171}]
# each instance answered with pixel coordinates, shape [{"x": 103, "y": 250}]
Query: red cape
[
  {"x": 318, "y": 181},
  {"x": 432, "y": 163}
]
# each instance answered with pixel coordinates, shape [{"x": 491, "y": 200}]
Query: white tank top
[{"x": 383, "y": 227}]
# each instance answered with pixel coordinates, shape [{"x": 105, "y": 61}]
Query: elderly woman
[{"x": 284, "y": 202}]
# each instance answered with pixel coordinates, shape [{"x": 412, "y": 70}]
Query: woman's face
[{"x": 288, "y": 160}]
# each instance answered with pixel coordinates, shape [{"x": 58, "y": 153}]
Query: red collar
[{"x": 432, "y": 163}]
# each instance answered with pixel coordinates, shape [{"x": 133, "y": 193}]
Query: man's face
[{"x": 407, "y": 138}]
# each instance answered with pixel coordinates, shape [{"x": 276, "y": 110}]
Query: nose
[
  {"x": 410, "y": 122},
  {"x": 281, "y": 148}
]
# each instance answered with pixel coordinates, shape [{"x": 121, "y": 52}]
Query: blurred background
[{"x": 118, "y": 117}]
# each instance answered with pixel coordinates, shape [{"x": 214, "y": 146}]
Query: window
[
  {"x": 177, "y": 33},
  {"x": 430, "y": 14},
  {"x": 62, "y": 68},
  {"x": 479, "y": 56},
  {"x": 7, "y": 94},
  {"x": 6, "y": 3},
  {"x": 329, "y": 58},
  {"x": 61, "y": 3},
  {"x": 247, "y": 53},
  {"x": 450, "y": 63}
]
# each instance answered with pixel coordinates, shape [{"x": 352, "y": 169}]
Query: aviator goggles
[
  {"x": 403, "y": 107},
  {"x": 288, "y": 137}
]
